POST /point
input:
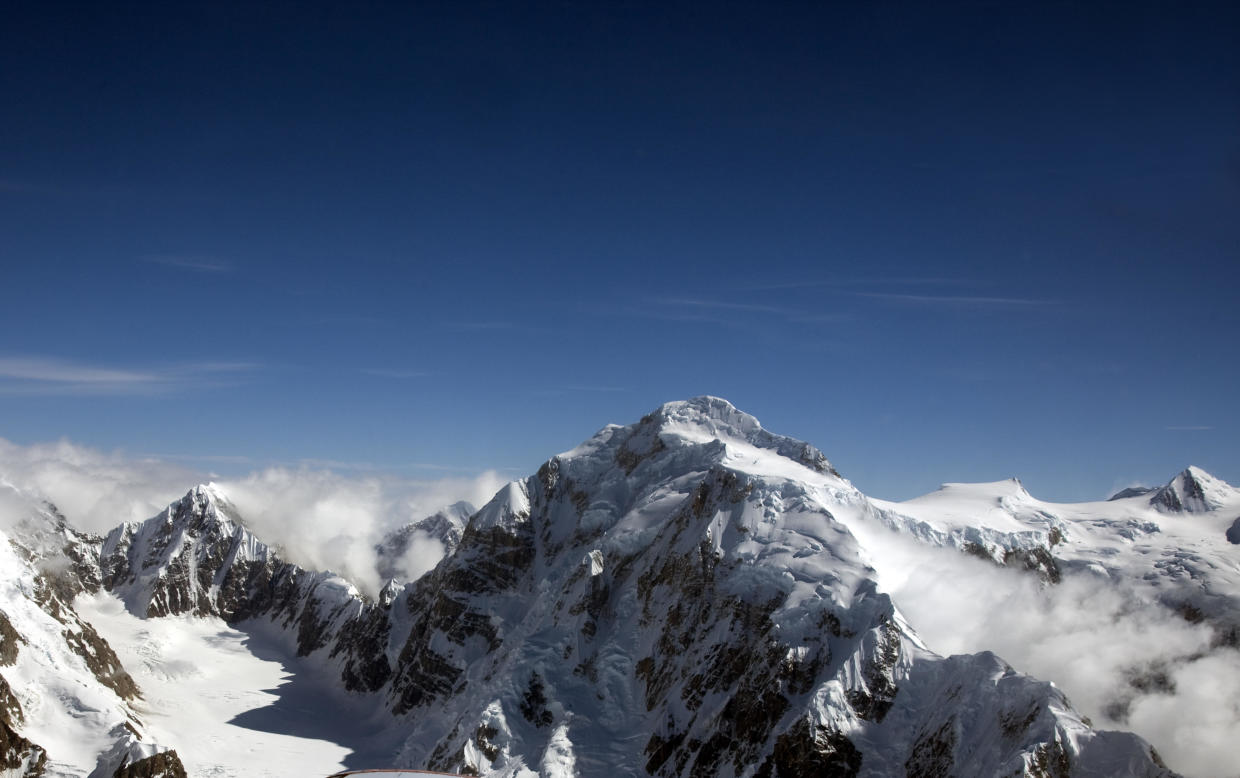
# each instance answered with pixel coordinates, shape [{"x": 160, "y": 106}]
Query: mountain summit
[{"x": 1194, "y": 491}]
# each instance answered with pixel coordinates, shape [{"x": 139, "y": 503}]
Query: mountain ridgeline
[{"x": 682, "y": 596}]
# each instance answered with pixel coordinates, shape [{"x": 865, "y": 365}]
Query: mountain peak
[
  {"x": 708, "y": 411},
  {"x": 1193, "y": 490},
  {"x": 1131, "y": 491},
  {"x": 707, "y": 419},
  {"x": 204, "y": 503}
]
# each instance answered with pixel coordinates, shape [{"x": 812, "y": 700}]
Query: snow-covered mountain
[
  {"x": 687, "y": 595},
  {"x": 1195, "y": 491},
  {"x": 66, "y": 702},
  {"x": 1174, "y": 543},
  {"x": 439, "y": 533}
]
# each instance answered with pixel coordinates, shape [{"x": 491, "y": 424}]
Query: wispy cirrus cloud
[
  {"x": 1189, "y": 428},
  {"x": 194, "y": 264},
  {"x": 395, "y": 372},
  {"x": 717, "y": 305},
  {"x": 723, "y": 312},
  {"x": 579, "y": 389},
  {"x": 957, "y": 301},
  {"x": 57, "y": 371},
  {"x": 478, "y": 326},
  {"x": 872, "y": 281},
  {"x": 41, "y": 375}
]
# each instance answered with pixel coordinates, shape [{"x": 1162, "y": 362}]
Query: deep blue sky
[{"x": 941, "y": 242}]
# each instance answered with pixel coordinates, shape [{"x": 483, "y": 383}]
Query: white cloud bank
[
  {"x": 321, "y": 519},
  {"x": 1126, "y": 662},
  {"x": 327, "y": 521},
  {"x": 95, "y": 490}
]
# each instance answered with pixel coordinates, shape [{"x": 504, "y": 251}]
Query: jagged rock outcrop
[
  {"x": 130, "y": 757},
  {"x": 18, "y": 756}
]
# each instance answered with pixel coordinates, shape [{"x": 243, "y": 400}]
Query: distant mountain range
[{"x": 688, "y": 595}]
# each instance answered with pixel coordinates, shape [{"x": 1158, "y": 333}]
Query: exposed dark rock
[
  {"x": 1190, "y": 613},
  {"x": 165, "y": 764},
  {"x": 641, "y": 446},
  {"x": 740, "y": 731},
  {"x": 9, "y": 641},
  {"x": 659, "y": 748},
  {"x": 1151, "y": 680},
  {"x": 1167, "y": 498},
  {"x": 364, "y": 641},
  {"x": 931, "y": 754},
  {"x": 534, "y": 703},
  {"x": 18, "y": 756},
  {"x": 1054, "y": 537},
  {"x": 101, "y": 659},
  {"x": 10, "y": 707},
  {"x": 1233, "y": 532},
  {"x": 1050, "y": 760},
  {"x": 1132, "y": 491},
  {"x": 1035, "y": 560},
  {"x": 808, "y": 750},
  {"x": 483, "y": 739},
  {"x": 1183, "y": 493},
  {"x": 878, "y": 672},
  {"x": 1013, "y": 724},
  {"x": 497, "y": 559}
]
